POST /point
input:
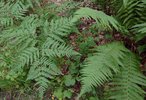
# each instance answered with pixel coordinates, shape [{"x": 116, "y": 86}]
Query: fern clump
[
  {"x": 28, "y": 43},
  {"x": 55, "y": 47}
]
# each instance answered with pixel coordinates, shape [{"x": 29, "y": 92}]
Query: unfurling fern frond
[
  {"x": 102, "y": 65},
  {"x": 127, "y": 84},
  {"x": 103, "y": 21},
  {"x": 41, "y": 70}
]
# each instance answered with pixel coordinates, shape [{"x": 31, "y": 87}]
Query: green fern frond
[
  {"x": 41, "y": 70},
  {"x": 28, "y": 56},
  {"x": 102, "y": 65},
  {"x": 61, "y": 27},
  {"x": 131, "y": 12},
  {"x": 103, "y": 21},
  {"x": 22, "y": 58},
  {"x": 20, "y": 34},
  {"x": 67, "y": 6},
  {"x": 127, "y": 84},
  {"x": 52, "y": 48},
  {"x": 58, "y": 28},
  {"x": 12, "y": 11},
  {"x": 140, "y": 31}
]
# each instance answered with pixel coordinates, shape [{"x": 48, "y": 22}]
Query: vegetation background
[{"x": 72, "y": 49}]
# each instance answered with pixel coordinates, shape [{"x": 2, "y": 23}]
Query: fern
[
  {"x": 67, "y": 6},
  {"x": 131, "y": 12},
  {"x": 18, "y": 34},
  {"x": 12, "y": 11},
  {"x": 140, "y": 31},
  {"x": 53, "y": 48},
  {"x": 100, "y": 68},
  {"x": 32, "y": 38},
  {"x": 127, "y": 84},
  {"x": 119, "y": 63},
  {"x": 103, "y": 21},
  {"x": 58, "y": 28},
  {"x": 20, "y": 60},
  {"x": 41, "y": 70},
  {"x": 28, "y": 55}
]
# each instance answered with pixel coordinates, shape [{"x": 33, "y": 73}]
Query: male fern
[
  {"x": 101, "y": 67},
  {"x": 126, "y": 85},
  {"x": 103, "y": 21}
]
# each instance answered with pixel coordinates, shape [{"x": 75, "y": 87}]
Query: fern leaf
[
  {"x": 58, "y": 28},
  {"x": 53, "y": 48},
  {"x": 41, "y": 70},
  {"x": 21, "y": 34},
  {"x": 22, "y": 58},
  {"x": 100, "y": 17},
  {"x": 28, "y": 55},
  {"x": 131, "y": 12},
  {"x": 10, "y": 11},
  {"x": 100, "y": 67},
  {"x": 127, "y": 84},
  {"x": 140, "y": 31}
]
